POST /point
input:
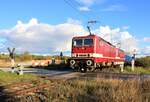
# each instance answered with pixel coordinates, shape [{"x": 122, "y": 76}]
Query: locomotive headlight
[
  {"x": 72, "y": 62},
  {"x": 89, "y": 62},
  {"x": 73, "y": 55},
  {"x": 91, "y": 54}
]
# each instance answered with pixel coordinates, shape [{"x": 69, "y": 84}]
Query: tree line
[
  {"x": 143, "y": 61},
  {"x": 26, "y": 56}
]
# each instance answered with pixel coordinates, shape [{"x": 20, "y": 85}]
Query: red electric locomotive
[{"x": 92, "y": 52}]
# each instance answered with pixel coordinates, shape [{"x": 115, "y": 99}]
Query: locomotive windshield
[
  {"x": 88, "y": 42},
  {"x": 77, "y": 42},
  {"x": 82, "y": 42}
]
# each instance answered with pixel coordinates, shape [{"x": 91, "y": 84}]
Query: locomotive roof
[
  {"x": 84, "y": 36},
  {"x": 110, "y": 44},
  {"x": 92, "y": 36}
]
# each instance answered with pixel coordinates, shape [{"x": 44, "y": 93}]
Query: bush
[{"x": 144, "y": 61}]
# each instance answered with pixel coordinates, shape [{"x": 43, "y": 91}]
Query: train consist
[{"x": 92, "y": 52}]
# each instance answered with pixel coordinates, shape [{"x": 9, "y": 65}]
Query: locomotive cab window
[
  {"x": 88, "y": 42},
  {"x": 77, "y": 42}
]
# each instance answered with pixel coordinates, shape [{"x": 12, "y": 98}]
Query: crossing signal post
[
  {"x": 12, "y": 58},
  {"x": 133, "y": 60}
]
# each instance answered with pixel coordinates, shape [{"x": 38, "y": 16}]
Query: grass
[
  {"x": 92, "y": 91},
  {"x": 139, "y": 70},
  {"x": 128, "y": 69},
  {"x": 8, "y": 78},
  {"x": 100, "y": 90}
]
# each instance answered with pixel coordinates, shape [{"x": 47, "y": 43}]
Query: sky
[{"x": 47, "y": 26}]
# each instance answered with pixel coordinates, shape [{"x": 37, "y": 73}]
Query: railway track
[
  {"x": 113, "y": 75},
  {"x": 29, "y": 88},
  {"x": 98, "y": 75},
  {"x": 24, "y": 90}
]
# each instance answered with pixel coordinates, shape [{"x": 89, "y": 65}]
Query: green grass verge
[
  {"x": 139, "y": 70},
  {"x": 7, "y": 78}
]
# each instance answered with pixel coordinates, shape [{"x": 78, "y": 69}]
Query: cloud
[
  {"x": 2, "y": 42},
  {"x": 116, "y": 36},
  {"x": 116, "y": 7},
  {"x": 147, "y": 50},
  {"x": 144, "y": 51},
  {"x": 147, "y": 39},
  {"x": 125, "y": 27},
  {"x": 73, "y": 21},
  {"x": 84, "y": 9},
  {"x": 86, "y": 2},
  {"x": 38, "y": 37},
  {"x": 45, "y": 38}
]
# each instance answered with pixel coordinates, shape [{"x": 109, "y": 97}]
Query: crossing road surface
[{"x": 45, "y": 72}]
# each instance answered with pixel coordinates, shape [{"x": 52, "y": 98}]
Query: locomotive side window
[
  {"x": 101, "y": 43},
  {"x": 77, "y": 42},
  {"x": 88, "y": 42}
]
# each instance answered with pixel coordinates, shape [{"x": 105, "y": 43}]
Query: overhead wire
[
  {"x": 72, "y": 5},
  {"x": 89, "y": 19}
]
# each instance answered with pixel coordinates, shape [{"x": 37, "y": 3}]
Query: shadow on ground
[
  {"x": 3, "y": 95},
  {"x": 56, "y": 67}
]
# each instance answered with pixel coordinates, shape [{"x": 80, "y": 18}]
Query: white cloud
[
  {"x": 41, "y": 38},
  {"x": 125, "y": 27},
  {"x": 2, "y": 42},
  {"x": 73, "y": 21},
  {"x": 127, "y": 41},
  {"x": 86, "y": 2},
  {"x": 144, "y": 51},
  {"x": 84, "y": 8},
  {"x": 38, "y": 37},
  {"x": 116, "y": 7},
  {"x": 147, "y": 39},
  {"x": 147, "y": 50}
]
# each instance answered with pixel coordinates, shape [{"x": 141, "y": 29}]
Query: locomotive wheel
[
  {"x": 83, "y": 70},
  {"x": 76, "y": 69}
]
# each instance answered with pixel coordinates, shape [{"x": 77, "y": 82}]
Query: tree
[{"x": 26, "y": 56}]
